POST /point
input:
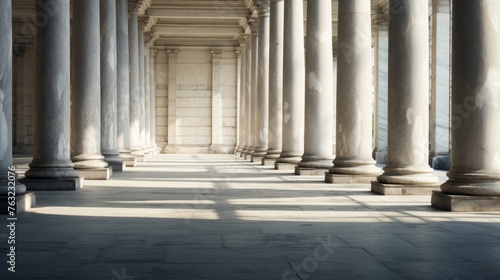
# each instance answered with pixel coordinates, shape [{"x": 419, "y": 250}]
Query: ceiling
[{"x": 190, "y": 22}]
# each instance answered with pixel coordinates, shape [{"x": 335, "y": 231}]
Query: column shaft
[
  {"x": 318, "y": 154},
  {"x": 51, "y": 155},
  {"x": 475, "y": 169},
  {"x": 248, "y": 98},
  {"x": 123, "y": 89},
  {"x": 134, "y": 87},
  {"x": 241, "y": 103},
  {"x": 408, "y": 118},
  {"x": 6, "y": 61},
  {"x": 293, "y": 86},
  {"x": 172, "y": 100},
  {"x": 353, "y": 162},
  {"x": 216, "y": 101},
  {"x": 152, "y": 92},
  {"x": 147, "y": 98},
  {"x": 262, "y": 104},
  {"x": 109, "y": 89},
  {"x": 253, "y": 87},
  {"x": 142, "y": 88},
  {"x": 86, "y": 90},
  {"x": 275, "y": 82}
]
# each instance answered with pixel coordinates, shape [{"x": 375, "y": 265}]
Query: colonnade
[
  {"x": 93, "y": 113},
  {"x": 298, "y": 92}
]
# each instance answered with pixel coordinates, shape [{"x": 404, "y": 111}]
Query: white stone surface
[
  {"x": 109, "y": 87},
  {"x": 86, "y": 87},
  {"x": 236, "y": 220},
  {"x": 475, "y": 165},
  {"x": 354, "y": 106},
  {"x": 262, "y": 91},
  {"x": 276, "y": 30},
  {"x": 123, "y": 89},
  {"x": 293, "y": 83},
  {"x": 135, "y": 109},
  {"x": 51, "y": 155},
  {"x": 408, "y": 97},
  {"x": 319, "y": 89}
]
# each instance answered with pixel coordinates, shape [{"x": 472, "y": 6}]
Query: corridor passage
[{"x": 220, "y": 217}]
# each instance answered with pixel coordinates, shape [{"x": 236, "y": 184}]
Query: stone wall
[{"x": 186, "y": 118}]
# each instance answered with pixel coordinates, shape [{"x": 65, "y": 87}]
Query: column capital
[
  {"x": 216, "y": 53},
  {"x": 19, "y": 49},
  {"x": 143, "y": 22},
  {"x": 134, "y": 5},
  {"x": 382, "y": 22},
  {"x": 243, "y": 40},
  {"x": 150, "y": 38},
  {"x": 254, "y": 25},
  {"x": 263, "y": 7},
  {"x": 153, "y": 51},
  {"x": 172, "y": 52}
]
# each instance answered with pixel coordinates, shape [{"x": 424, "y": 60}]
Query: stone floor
[{"x": 219, "y": 217}]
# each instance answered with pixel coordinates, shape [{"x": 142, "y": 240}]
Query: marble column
[
  {"x": 241, "y": 104},
  {"x": 353, "y": 162},
  {"x": 440, "y": 86},
  {"x": 109, "y": 89},
  {"x": 253, "y": 88},
  {"x": 86, "y": 92},
  {"x": 123, "y": 89},
  {"x": 318, "y": 154},
  {"x": 262, "y": 104},
  {"x": 381, "y": 91},
  {"x": 152, "y": 91},
  {"x": 216, "y": 101},
  {"x": 275, "y": 82},
  {"x": 474, "y": 178},
  {"x": 134, "y": 86},
  {"x": 51, "y": 168},
  {"x": 6, "y": 168},
  {"x": 407, "y": 170},
  {"x": 248, "y": 98},
  {"x": 147, "y": 100},
  {"x": 293, "y": 86},
  {"x": 172, "y": 100},
  {"x": 243, "y": 40},
  {"x": 142, "y": 87}
]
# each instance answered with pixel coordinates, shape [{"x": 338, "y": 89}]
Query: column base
[
  {"x": 171, "y": 149},
  {"x": 238, "y": 150},
  {"x": 24, "y": 202},
  {"x": 117, "y": 166},
  {"x": 62, "y": 184},
  {"x": 257, "y": 159},
  {"x": 96, "y": 174},
  {"x": 128, "y": 159},
  {"x": 139, "y": 156},
  {"x": 465, "y": 203},
  {"x": 248, "y": 155},
  {"x": 305, "y": 171},
  {"x": 115, "y": 162},
  {"x": 284, "y": 166},
  {"x": 215, "y": 149},
  {"x": 399, "y": 189},
  {"x": 130, "y": 162},
  {"x": 349, "y": 179},
  {"x": 268, "y": 161}
]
